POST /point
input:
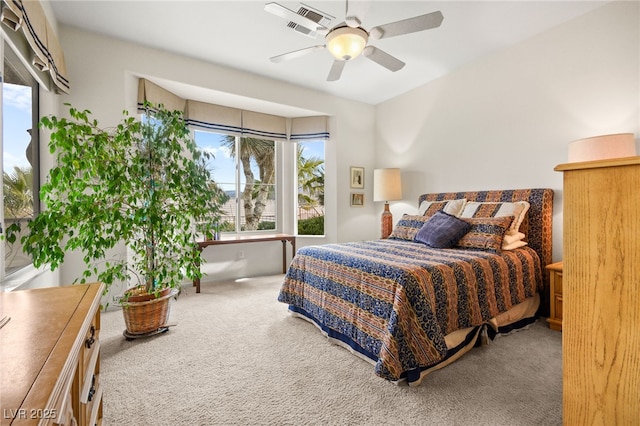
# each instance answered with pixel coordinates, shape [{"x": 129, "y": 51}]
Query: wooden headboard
[{"x": 537, "y": 224}]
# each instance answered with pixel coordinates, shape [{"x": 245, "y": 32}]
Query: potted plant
[{"x": 144, "y": 183}]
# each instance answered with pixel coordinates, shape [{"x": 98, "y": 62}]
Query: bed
[{"x": 409, "y": 308}]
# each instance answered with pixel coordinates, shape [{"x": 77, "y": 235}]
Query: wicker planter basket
[{"x": 148, "y": 316}]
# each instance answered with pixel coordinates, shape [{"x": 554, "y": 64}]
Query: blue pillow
[{"x": 442, "y": 230}]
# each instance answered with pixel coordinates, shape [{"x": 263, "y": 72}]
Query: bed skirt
[{"x": 458, "y": 343}]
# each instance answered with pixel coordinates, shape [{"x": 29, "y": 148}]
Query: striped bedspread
[{"x": 394, "y": 301}]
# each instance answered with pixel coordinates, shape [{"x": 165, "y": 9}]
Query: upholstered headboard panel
[{"x": 537, "y": 225}]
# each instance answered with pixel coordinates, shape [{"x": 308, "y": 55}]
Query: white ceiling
[{"x": 242, "y": 35}]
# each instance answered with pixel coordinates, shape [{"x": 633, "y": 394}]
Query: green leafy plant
[
  {"x": 143, "y": 183},
  {"x": 312, "y": 226}
]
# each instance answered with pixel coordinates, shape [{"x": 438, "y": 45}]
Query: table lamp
[
  {"x": 387, "y": 186},
  {"x": 602, "y": 147}
]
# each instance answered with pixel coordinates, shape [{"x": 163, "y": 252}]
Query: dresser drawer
[
  {"x": 90, "y": 374},
  {"x": 90, "y": 389},
  {"x": 558, "y": 282},
  {"x": 93, "y": 407},
  {"x": 557, "y": 303},
  {"x": 555, "y": 296},
  {"x": 91, "y": 339}
]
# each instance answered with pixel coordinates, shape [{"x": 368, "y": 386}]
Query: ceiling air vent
[{"x": 313, "y": 14}]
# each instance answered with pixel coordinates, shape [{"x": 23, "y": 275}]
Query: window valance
[
  {"x": 228, "y": 120},
  {"x": 44, "y": 50},
  {"x": 151, "y": 92},
  {"x": 264, "y": 126},
  {"x": 234, "y": 121},
  {"x": 306, "y": 128}
]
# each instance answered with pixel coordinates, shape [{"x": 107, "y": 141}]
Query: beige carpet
[{"x": 236, "y": 357}]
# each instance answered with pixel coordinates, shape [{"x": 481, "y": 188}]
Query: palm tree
[
  {"x": 18, "y": 206},
  {"x": 310, "y": 180},
  {"x": 256, "y": 191},
  {"x": 18, "y": 193}
]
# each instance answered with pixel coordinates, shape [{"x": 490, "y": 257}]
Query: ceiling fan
[{"x": 348, "y": 39}]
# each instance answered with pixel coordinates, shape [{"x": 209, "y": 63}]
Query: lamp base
[{"x": 386, "y": 222}]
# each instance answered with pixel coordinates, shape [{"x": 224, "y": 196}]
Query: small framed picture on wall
[
  {"x": 357, "y": 199},
  {"x": 357, "y": 177}
]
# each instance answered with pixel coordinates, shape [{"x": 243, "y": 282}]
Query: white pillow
[
  {"x": 517, "y": 209},
  {"x": 453, "y": 207},
  {"x": 513, "y": 236}
]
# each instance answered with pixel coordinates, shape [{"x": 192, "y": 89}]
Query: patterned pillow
[
  {"x": 453, "y": 207},
  {"x": 442, "y": 230},
  {"x": 408, "y": 227},
  {"x": 486, "y": 233},
  {"x": 517, "y": 209}
]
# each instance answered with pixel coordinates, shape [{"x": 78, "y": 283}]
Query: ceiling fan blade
[
  {"x": 383, "y": 58},
  {"x": 292, "y": 16},
  {"x": 296, "y": 53},
  {"x": 336, "y": 70},
  {"x": 406, "y": 26},
  {"x": 351, "y": 14}
]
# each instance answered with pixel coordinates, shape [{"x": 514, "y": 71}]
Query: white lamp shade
[
  {"x": 387, "y": 185},
  {"x": 346, "y": 43},
  {"x": 602, "y": 147}
]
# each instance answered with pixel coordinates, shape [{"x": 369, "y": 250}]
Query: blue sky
[
  {"x": 16, "y": 112},
  {"x": 222, "y": 170}
]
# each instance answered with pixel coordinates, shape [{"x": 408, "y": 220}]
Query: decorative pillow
[
  {"x": 453, "y": 207},
  {"x": 511, "y": 237},
  {"x": 514, "y": 245},
  {"x": 408, "y": 227},
  {"x": 442, "y": 230},
  {"x": 486, "y": 233},
  {"x": 517, "y": 209}
]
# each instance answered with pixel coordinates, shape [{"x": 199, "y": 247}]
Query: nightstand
[{"x": 555, "y": 296}]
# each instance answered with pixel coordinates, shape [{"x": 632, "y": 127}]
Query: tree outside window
[
  {"x": 245, "y": 169},
  {"x": 310, "y": 166}
]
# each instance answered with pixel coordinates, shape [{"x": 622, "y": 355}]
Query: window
[
  {"x": 250, "y": 148},
  {"x": 310, "y": 173},
  {"x": 245, "y": 169},
  {"x": 20, "y": 167}
]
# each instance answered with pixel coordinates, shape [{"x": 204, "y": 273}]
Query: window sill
[{"x": 24, "y": 278}]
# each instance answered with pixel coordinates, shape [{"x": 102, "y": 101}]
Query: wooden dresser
[
  {"x": 50, "y": 356},
  {"x": 601, "y": 292}
]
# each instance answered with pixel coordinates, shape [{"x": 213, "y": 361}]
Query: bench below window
[{"x": 238, "y": 239}]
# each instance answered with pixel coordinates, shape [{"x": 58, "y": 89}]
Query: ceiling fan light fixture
[{"x": 346, "y": 43}]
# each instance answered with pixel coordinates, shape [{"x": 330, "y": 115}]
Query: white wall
[
  {"x": 103, "y": 74},
  {"x": 504, "y": 122}
]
